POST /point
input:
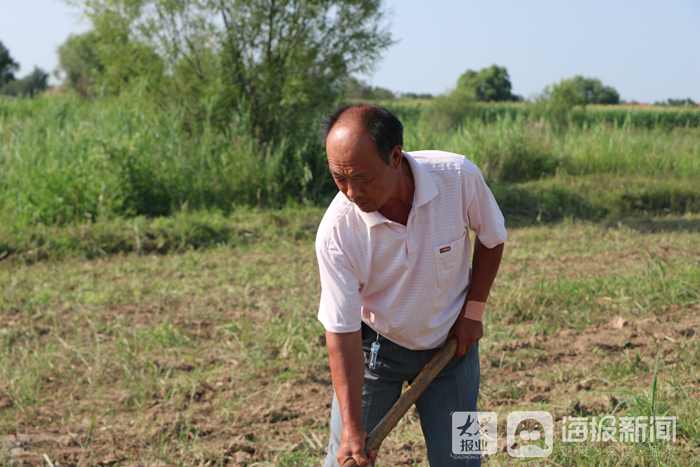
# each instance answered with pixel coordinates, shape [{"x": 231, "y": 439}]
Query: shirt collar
[{"x": 424, "y": 190}]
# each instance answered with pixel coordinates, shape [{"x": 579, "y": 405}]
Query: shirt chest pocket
[{"x": 448, "y": 257}]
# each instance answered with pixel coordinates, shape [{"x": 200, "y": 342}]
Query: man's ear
[{"x": 396, "y": 156}]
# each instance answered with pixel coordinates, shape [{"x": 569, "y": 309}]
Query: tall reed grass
[
  {"x": 64, "y": 160},
  {"x": 517, "y": 149},
  {"x": 634, "y": 116}
]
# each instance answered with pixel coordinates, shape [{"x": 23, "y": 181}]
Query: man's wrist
[{"x": 474, "y": 310}]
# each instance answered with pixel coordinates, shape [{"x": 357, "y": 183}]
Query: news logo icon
[{"x": 530, "y": 434}]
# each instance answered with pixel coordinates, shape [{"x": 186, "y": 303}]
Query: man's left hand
[{"x": 467, "y": 332}]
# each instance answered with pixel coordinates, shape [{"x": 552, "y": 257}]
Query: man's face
[{"x": 357, "y": 168}]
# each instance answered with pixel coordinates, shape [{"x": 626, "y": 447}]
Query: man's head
[{"x": 364, "y": 147}]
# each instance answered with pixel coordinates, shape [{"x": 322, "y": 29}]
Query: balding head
[{"x": 370, "y": 121}]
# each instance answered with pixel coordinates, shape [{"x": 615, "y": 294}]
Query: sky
[
  {"x": 648, "y": 50},
  {"x": 33, "y": 29}
]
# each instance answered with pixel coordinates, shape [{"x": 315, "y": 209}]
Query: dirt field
[{"x": 215, "y": 357}]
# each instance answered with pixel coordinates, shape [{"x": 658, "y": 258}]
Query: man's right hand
[
  {"x": 347, "y": 372},
  {"x": 352, "y": 444}
]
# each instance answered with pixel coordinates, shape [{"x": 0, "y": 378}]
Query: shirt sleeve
[
  {"x": 483, "y": 215},
  {"x": 340, "y": 305}
]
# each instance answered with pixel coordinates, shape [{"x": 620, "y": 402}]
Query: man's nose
[{"x": 354, "y": 192}]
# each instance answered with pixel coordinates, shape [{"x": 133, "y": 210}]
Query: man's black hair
[{"x": 382, "y": 126}]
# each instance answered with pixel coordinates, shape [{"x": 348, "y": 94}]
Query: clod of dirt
[
  {"x": 200, "y": 394},
  {"x": 588, "y": 383},
  {"x": 165, "y": 367},
  {"x": 5, "y": 401},
  {"x": 607, "y": 347},
  {"x": 511, "y": 346},
  {"x": 618, "y": 322},
  {"x": 579, "y": 409},
  {"x": 240, "y": 451},
  {"x": 111, "y": 460},
  {"x": 280, "y": 415},
  {"x": 241, "y": 458},
  {"x": 237, "y": 446},
  {"x": 584, "y": 385},
  {"x": 538, "y": 398}
]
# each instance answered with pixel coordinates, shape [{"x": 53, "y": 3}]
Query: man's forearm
[
  {"x": 485, "y": 263},
  {"x": 347, "y": 373}
]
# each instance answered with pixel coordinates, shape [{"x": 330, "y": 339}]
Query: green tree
[
  {"x": 271, "y": 64},
  {"x": 8, "y": 66},
  {"x": 79, "y": 62},
  {"x": 556, "y": 104},
  {"x": 110, "y": 58},
  {"x": 488, "y": 84},
  {"x": 125, "y": 56},
  {"x": 29, "y": 86},
  {"x": 580, "y": 90},
  {"x": 566, "y": 92}
]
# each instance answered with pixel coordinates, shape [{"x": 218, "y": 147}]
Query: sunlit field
[{"x": 158, "y": 305}]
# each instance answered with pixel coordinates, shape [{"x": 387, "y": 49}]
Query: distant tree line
[
  {"x": 357, "y": 89},
  {"x": 493, "y": 84},
  {"x": 252, "y": 63},
  {"x": 27, "y": 86},
  {"x": 687, "y": 102}
]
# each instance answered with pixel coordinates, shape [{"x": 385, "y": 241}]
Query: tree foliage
[
  {"x": 358, "y": 89},
  {"x": 79, "y": 62},
  {"x": 416, "y": 95},
  {"x": 580, "y": 90},
  {"x": 28, "y": 86},
  {"x": 272, "y": 65},
  {"x": 671, "y": 102},
  {"x": 109, "y": 59},
  {"x": 490, "y": 84},
  {"x": 8, "y": 66}
]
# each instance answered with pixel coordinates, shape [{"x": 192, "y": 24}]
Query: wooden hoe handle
[{"x": 408, "y": 397}]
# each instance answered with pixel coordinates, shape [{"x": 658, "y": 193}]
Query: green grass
[
  {"x": 178, "y": 354},
  {"x": 538, "y": 202}
]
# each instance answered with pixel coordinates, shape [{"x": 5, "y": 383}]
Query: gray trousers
[{"x": 455, "y": 389}]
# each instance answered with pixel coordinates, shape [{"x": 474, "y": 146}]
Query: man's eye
[{"x": 341, "y": 179}]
